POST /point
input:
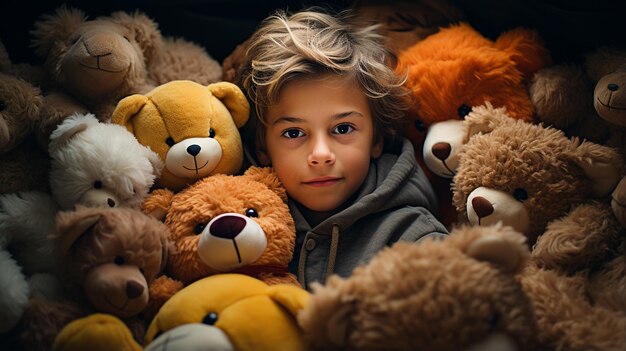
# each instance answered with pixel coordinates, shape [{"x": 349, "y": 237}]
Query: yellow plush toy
[
  {"x": 193, "y": 128},
  {"x": 221, "y": 312}
]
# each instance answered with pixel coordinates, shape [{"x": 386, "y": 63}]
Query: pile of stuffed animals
[{"x": 128, "y": 221}]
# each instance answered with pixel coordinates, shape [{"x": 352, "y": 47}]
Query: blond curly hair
[{"x": 312, "y": 43}]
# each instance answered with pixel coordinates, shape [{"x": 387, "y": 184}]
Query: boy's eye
[
  {"x": 292, "y": 133},
  {"x": 343, "y": 129}
]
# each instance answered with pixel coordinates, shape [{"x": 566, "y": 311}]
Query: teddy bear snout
[
  {"x": 487, "y": 206},
  {"x": 610, "y": 98},
  {"x": 441, "y": 147},
  {"x": 101, "y": 50},
  {"x": 99, "y": 198},
  {"x": 193, "y": 158},
  {"x": 133, "y": 289},
  {"x": 230, "y": 241},
  {"x": 482, "y": 206}
]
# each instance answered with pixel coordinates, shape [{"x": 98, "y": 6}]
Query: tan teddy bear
[
  {"x": 110, "y": 256},
  {"x": 193, "y": 128},
  {"x": 92, "y": 64},
  {"x": 454, "y": 294},
  {"x": 226, "y": 223},
  {"x": 555, "y": 190}
]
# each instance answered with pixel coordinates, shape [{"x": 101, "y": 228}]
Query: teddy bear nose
[
  {"x": 612, "y": 87},
  {"x": 194, "y": 149},
  {"x": 441, "y": 150},
  {"x": 111, "y": 202},
  {"x": 227, "y": 227},
  {"x": 133, "y": 289},
  {"x": 482, "y": 206}
]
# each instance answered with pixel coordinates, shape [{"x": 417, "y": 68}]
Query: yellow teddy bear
[
  {"x": 192, "y": 127},
  {"x": 221, "y": 312}
]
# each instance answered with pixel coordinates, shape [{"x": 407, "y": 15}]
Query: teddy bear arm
[
  {"x": 274, "y": 279},
  {"x": 161, "y": 289},
  {"x": 583, "y": 238}
]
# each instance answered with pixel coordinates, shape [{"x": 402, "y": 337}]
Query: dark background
[{"x": 570, "y": 28}]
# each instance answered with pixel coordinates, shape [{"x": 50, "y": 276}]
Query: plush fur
[
  {"x": 255, "y": 202},
  {"x": 97, "y": 163},
  {"x": 221, "y": 312},
  {"x": 95, "y": 63},
  {"x": 451, "y": 72},
  {"x": 181, "y": 115},
  {"x": 542, "y": 183},
  {"x": 23, "y": 166},
  {"x": 527, "y": 174},
  {"x": 109, "y": 257},
  {"x": 453, "y": 294}
]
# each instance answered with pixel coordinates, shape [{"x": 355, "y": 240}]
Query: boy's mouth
[{"x": 322, "y": 181}]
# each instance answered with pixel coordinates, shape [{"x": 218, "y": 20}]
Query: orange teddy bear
[
  {"x": 452, "y": 72},
  {"x": 225, "y": 223}
]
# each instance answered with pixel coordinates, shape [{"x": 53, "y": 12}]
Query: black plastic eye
[
  {"x": 199, "y": 228},
  {"x": 464, "y": 110},
  {"x": 211, "y": 133},
  {"x": 251, "y": 212},
  {"x": 118, "y": 260},
  {"x": 3, "y": 105},
  {"x": 170, "y": 142},
  {"x": 520, "y": 194},
  {"x": 97, "y": 184},
  {"x": 210, "y": 318},
  {"x": 419, "y": 125},
  {"x": 494, "y": 321}
]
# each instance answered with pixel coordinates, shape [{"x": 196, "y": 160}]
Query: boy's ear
[{"x": 377, "y": 148}]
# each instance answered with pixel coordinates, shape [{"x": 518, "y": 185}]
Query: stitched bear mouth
[{"x": 609, "y": 106}]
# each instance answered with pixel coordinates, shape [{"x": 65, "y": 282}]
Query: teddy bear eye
[
  {"x": 464, "y": 110},
  {"x": 97, "y": 184},
  {"x": 210, "y": 318},
  {"x": 251, "y": 212},
  {"x": 3, "y": 105},
  {"x": 118, "y": 260},
  {"x": 493, "y": 321},
  {"x": 170, "y": 142},
  {"x": 211, "y": 133},
  {"x": 199, "y": 228},
  {"x": 419, "y": 125},
  {"x": 520, "y": 194}
]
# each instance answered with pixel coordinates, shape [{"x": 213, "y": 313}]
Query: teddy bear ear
[
  {"x": 603, "y": 61},
  {"x": 326, "y": 318},
  {"x": 72, "y": 225},
  {"x": 146, "y": 31},
  {"x": 233, "y": 98},
  {"x": 266, "y": 175},
  {"x": 54, "y": 28},
  {"x": 69, "y": 128},
  {"x": 483, "y": 119},
  {"x": 499, "y": 245},
  {"x": 127, "y": 108},
  {"x": 158, "y": 203},
  {"x": 602, "y": 165},
  {"x": 526, "y": 49},
  {"x": 292, "y": 298}
]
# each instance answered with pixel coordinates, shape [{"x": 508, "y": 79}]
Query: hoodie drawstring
[{"x": 334, "y": 244}]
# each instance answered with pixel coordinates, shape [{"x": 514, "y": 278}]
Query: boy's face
[{"x": 320, "y": 140}]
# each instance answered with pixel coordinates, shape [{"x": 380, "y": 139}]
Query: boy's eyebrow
[{"x": 286, "y": 119}]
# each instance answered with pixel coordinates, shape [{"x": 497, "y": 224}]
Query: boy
[{"x": 328, "y": 107}]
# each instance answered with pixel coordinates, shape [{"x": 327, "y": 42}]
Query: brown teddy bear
[
  {"x": 193, "y": 128},
  {"x": 455, "y": 294},
  {"x": 527, "y": 175},
  {"x": 23, "y": 166},
  {"x": 451, "y": 72},
  {"x": 226, "y": 223},
  {"x": 94, "y": 63},
  {"x": 542, "y": 183},
  {"x": 110, "y": 257}
]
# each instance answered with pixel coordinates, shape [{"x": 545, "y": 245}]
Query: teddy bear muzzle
[
  {"x": 441, "y": 147},
  {"x": 193, "y": 157},
  {"x": 488, "y": 206},
  {"x": 610, "y": 98},
  {"x": 230, "y": 241},
  {"x": 194, "y": 336},
  {"x": 119, "y": 290}
]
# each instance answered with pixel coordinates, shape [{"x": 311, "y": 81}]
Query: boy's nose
[{"x": 321, "y": 154}]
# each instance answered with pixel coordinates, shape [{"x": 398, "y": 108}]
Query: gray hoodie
[{"x": 394, "y": 203}]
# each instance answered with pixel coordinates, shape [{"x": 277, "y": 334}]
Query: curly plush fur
[
  {"x": 262, "y": 239},
  {"x": 439, "y": 295}
]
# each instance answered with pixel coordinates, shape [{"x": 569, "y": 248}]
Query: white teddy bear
[{"x": 93, "y": 164}]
